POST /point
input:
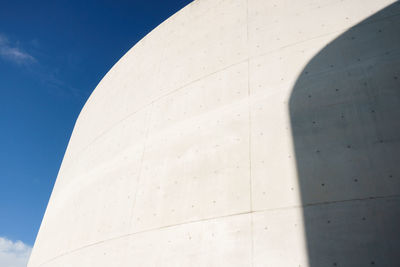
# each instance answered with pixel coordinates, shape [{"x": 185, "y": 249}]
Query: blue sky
[{"x": 52, "y": 55}]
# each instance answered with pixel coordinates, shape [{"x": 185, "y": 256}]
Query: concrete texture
[{"x": 239, "y": 133}]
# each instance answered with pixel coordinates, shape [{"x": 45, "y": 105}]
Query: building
[{"x": 239, "y": 133}]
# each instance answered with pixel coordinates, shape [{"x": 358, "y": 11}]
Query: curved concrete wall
[{"x": 239, "y": 133}]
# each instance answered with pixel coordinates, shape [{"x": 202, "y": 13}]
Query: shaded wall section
[{"x": 345, "y": 119}]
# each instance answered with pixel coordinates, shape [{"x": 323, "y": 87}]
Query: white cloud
[
  {"x": 13, "y": 254},
  {"x": 13, "y": 53}
]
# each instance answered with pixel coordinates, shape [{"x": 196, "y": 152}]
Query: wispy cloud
[
  {"x": 13, "y": 53},
  {"x": 45, "y": 73},
  {"x": 13, "y": 254}
]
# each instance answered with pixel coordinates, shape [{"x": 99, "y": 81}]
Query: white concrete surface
[{"x": 239, "y": 133}]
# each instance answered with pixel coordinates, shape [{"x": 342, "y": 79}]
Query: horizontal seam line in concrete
[
  {"x": 145, "y": 231},
  {"x": 349, "y": 67},
  {"x": 217, "y": 218},
  {"x": 159, "y": 98},
  {"x": 345, "y": 29},
  {"x": 329, "y": 203}
]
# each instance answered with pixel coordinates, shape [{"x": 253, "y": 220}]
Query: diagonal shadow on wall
[{"x": 345, "y": 118}]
